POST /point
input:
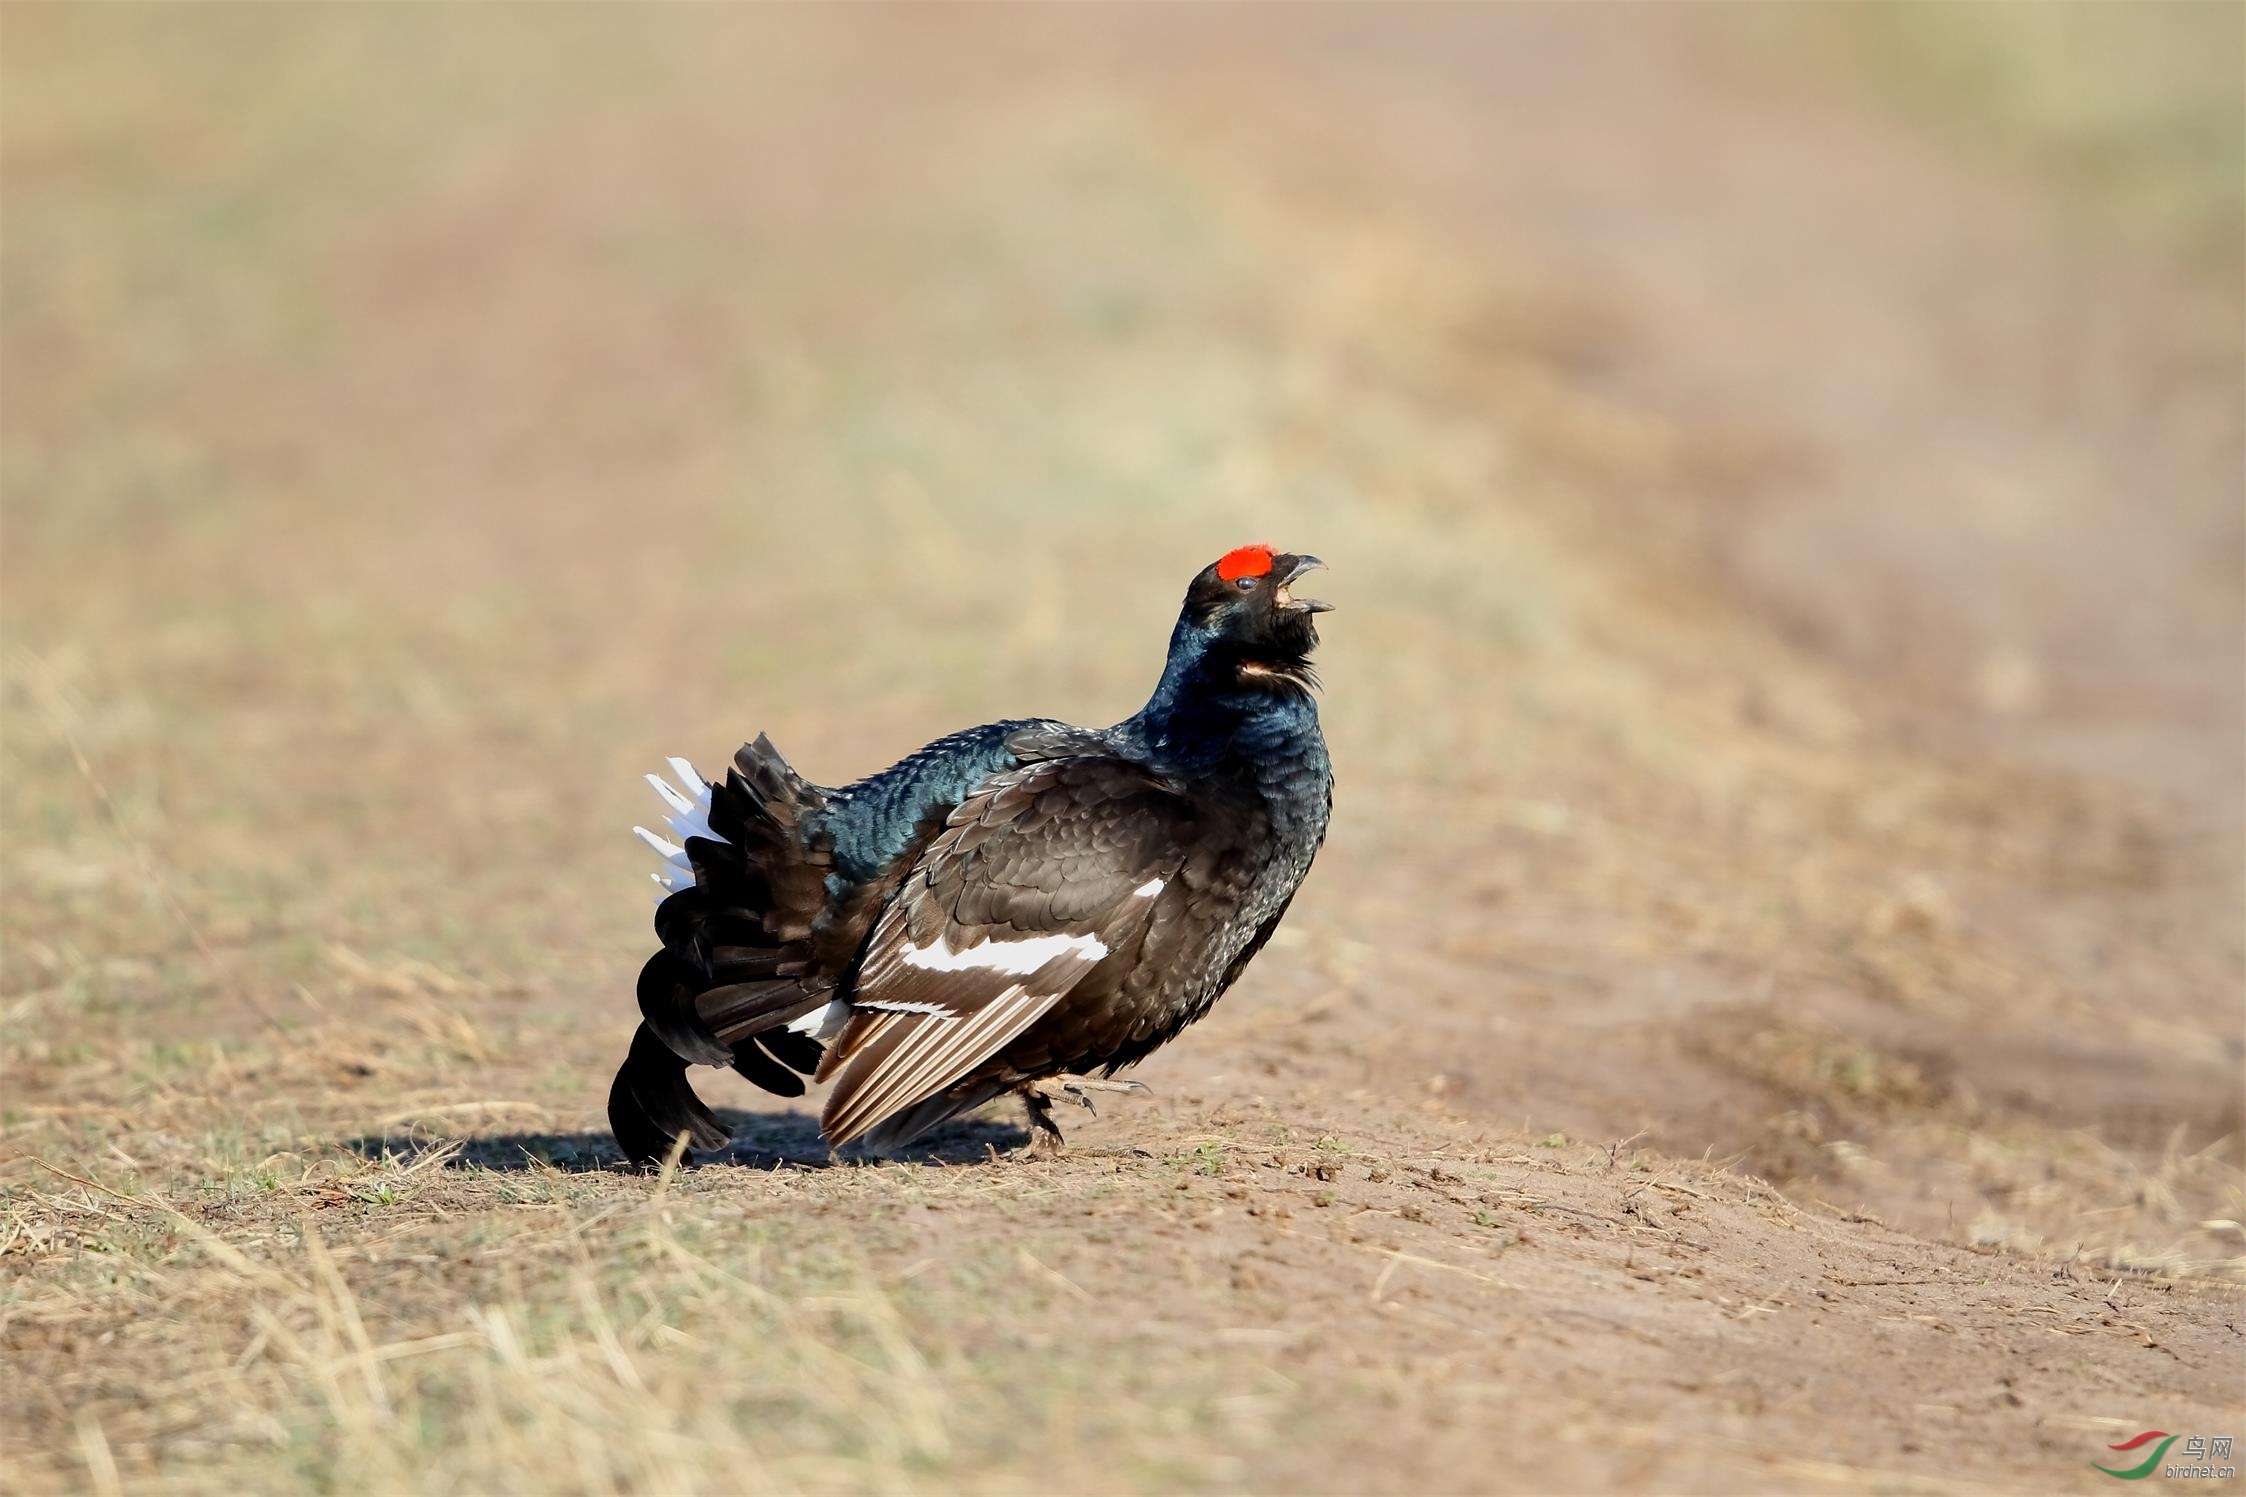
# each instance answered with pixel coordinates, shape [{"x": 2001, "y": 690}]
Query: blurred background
[{"x": 1781, "y": 469}]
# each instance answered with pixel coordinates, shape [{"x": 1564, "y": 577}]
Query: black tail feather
[
  {"x": 736, "y": 962},
  {"x": 797, "y": 1051},
  {"x": 753, "y": 1059},
  {"x": 650, "y": 1104},
  {"x": 668, "y": 987}
]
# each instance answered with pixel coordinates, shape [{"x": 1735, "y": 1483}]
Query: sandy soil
[{"x": 1768, "y": 1017}]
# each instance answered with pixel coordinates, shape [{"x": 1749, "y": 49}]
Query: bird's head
[{"x": 1245, "y": 615}]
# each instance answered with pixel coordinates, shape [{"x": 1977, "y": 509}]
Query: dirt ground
[{"x": 1768, "y": 1016}]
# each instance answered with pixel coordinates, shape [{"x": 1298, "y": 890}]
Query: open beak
[{"x": 1287, "y": 598}]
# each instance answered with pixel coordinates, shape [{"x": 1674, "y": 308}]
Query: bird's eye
[{"x": 1246, "y": 584}]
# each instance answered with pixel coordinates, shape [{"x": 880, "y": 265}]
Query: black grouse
[{"x": 1010, "y": 909}]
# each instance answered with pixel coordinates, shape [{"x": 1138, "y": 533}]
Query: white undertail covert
[{"x": 689, "y": 805}]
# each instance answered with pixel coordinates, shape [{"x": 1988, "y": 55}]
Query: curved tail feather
[
  {"x": 745, "y": 883},
  {"x": 651, "y": 1103}
]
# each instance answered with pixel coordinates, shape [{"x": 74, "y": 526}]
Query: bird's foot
[{"x": 1079, "y": 1089}]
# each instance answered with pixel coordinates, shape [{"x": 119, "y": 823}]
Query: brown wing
[{"x": 1038, "y": 876}]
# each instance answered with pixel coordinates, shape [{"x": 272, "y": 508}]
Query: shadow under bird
[{"x": 1011, "y": 909}]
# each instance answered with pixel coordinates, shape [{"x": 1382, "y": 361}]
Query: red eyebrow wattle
[{"x": 1248, "y": 561}]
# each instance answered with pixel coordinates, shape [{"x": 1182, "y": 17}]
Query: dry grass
[{"x": 405, "y": 1320}]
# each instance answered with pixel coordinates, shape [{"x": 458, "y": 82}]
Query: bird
[{"x": 1025, "y": 907}]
